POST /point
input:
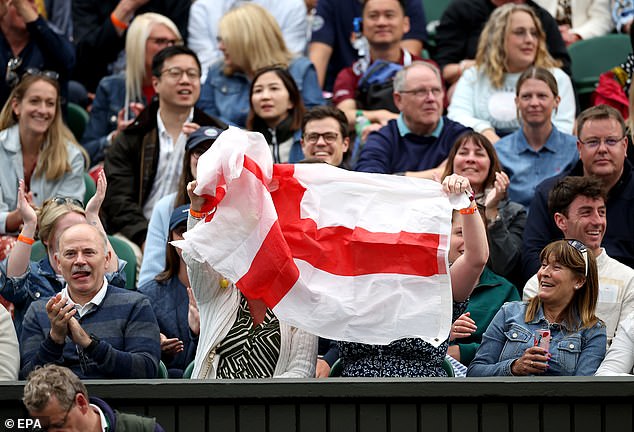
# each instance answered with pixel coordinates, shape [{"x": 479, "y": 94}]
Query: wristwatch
[{"x": 94, "y": 341}]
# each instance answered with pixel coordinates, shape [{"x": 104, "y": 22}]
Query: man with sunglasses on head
[
  {"x": 57, "y": 399},
  {"x": 577, "y": 206},
  {"x": 602, "y": 145},
  {"x": 28, "y": 42},
  {"x": 418, "y": 141},
  {"x": 144, "y": 162}
]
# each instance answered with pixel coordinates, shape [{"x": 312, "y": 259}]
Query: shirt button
[
  {"x": 37, "y": 295},
  {"x": 572, "y": 346},
  {"x": 514, "y": 335}
]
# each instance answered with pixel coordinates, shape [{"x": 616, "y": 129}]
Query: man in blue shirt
[{"x": 416, "y": 143}]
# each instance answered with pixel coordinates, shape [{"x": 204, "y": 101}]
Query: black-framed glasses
[
  {"x": 329, "y": 137},
  {"x": 58, "y": 425},
  {"x": 176, "y": 72},
  {"x": 596, "y": 142},
  {"x": 12, "y": 78},
  {"x": 582, "y": 249}
]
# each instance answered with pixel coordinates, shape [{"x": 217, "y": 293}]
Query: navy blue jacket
[
  {"x": 387, "y": 152},
  {"x": 618, "y": 240}
]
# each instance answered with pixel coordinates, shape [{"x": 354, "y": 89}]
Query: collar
[
  {"x": 10, "y": 139},
  {"x": 94, "y": 302},
  {"x": 404, "y": 130},
  {"x": 160, "y": 126},
  {"x": 102, "y": 418},
  {"x": 550, "y": 145}
]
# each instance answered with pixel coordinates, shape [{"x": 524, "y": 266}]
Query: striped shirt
[{"x": 250, "y": 351}]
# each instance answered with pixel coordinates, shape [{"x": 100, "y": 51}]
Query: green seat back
[
  {"x": 187, "y": 373},
  {"x": 38, "y": 251},
  {"x": 446, "y": 365},
  {"x": 91, "y": 188},
  {"x": 433, "y": 11},
  {"x": 125, "y": 252},
  {"x": 336, "y": 368},
  {"x": 162, "y": 372},
  {"x": 591, "y": 57},
  {"x": 77, "y": 120}
]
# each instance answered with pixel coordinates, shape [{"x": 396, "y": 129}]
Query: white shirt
[
  {"x": 102, "y": 418},
  {"x": 170, "y": 164},
  {"x": 616, "y": 292},
  {"x": 619, "y": 359},
  {"x": 92, "y": 303}
]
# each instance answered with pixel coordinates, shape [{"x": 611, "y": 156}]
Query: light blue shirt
[
  {"x": 404, "y": 130},
  {"x": 527, "y": 168},
  {"x": 573, "y": 352}
]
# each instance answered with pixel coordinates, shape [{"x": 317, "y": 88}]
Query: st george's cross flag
[{"x": 344, "y": 255}]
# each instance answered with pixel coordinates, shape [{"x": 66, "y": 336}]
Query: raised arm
[
  {"x": 92, "y": 217},
  {"x": 20, "y": 256},
  {"x": 465, "y": 271}
]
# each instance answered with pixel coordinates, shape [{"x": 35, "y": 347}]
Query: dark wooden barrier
[{"x": 382, "y": 405}]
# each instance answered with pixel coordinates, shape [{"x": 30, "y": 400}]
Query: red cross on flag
[{"x": 344, "y": 255}]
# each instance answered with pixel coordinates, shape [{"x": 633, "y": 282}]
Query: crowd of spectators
[{"x": 492, "y": 112}]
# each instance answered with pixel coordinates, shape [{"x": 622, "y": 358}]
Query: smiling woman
[
  {"x": 563, "y": 312},
  {"x": 36, "y": 146}
]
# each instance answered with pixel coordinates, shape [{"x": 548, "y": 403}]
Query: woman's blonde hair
[
  {"x": 135, "y": 42},
  {"x": 52, "y": 162},
  {"x": 50, "y": 213},
  {"x": 253, "y": 39},
  {"x": 491, "y": 55},
  {"x": 584, "y": 301}
]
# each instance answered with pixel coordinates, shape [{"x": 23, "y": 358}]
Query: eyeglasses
[
  {"x": 64, "y": 200},
  {"x": 176, "y": 72},
  {"x": 61, "y": 424},
  {"x": 423, "y": 91},
  {"x": 165, "y": 41},
  {"x": 329, "y": 137},
  {"x": 596, "y": 142},
  {"x": 581, "y": 248},
  {"x": 12, "y": 78}
]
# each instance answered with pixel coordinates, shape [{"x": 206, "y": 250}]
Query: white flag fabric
[{"x": 344, "y": 255}]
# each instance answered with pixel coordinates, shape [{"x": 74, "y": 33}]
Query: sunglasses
[
  {"x": 13, "y": 78},
  {"x": 64, "y": 200},
  {"x": 581, "y": 248}
]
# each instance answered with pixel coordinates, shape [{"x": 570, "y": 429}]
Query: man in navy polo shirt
[{"x": 416, "y": 143}]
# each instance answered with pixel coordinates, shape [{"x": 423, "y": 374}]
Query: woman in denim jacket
[
  {"x": 250, "y": 39},
  {"x": 565, "y": 305}
]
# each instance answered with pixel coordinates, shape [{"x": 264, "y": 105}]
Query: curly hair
[
  {"x": 51, "y": 380},
  {"x": 491, "y": 54}
]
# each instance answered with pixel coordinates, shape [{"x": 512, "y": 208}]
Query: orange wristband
[
  {"x": 25, "y": 239},
  {"x": 117, "y": 22},
  {"x": 469, "y": 210},
  {"x": 197, "y": 215}
]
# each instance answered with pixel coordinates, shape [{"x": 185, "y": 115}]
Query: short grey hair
[
  {"x": 102, "y": 235},
  {"x": 51, "y": 380},
  {"x": 401, "y": 76}
]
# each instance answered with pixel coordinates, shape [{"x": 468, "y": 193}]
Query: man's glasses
[
  {"x": 176, "y": 72},
  {"x": 423, "y": 92},
  {"x": 596, "y": 142},
  {"x": 581, "y": 248},
  {"x": 58, "y": 425},
  {"x": 329, "y": 137},
  {"x": 165, "y": 41}
]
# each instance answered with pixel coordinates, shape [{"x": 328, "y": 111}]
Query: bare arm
[
  {"x": 319, "y": 53},
  {"x": 92, "y": 217},
  {"x": 465, "y": 271},
  {"x": 20, "y": 255}
]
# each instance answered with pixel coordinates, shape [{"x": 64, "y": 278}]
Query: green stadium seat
[{"x": 77, "y": 120}]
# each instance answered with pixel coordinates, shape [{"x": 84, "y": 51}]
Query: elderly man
[
  {"x": 578, "y": 208},
  {"x": 602, "y": 151},
  {"x": 325, "y": 136},
  {"x": 96, "y": 329},
  {"x": 57, "y": 399},
  {"x": 418, "y": 141}
]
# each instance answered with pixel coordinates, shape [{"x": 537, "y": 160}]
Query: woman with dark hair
[
  {"x": 474, "y": 157},
  {"x": 276, "y": 111},
  {"x": 554, "y": 333},
  {"x": 36, "y": 146},
  {"x": 169, "y": 294},
  {"x": 157, "y": 232}
]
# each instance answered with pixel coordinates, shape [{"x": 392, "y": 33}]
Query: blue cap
[
  {"x": 179, "y": 215},
  {"x": 201, "y": 135}
]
